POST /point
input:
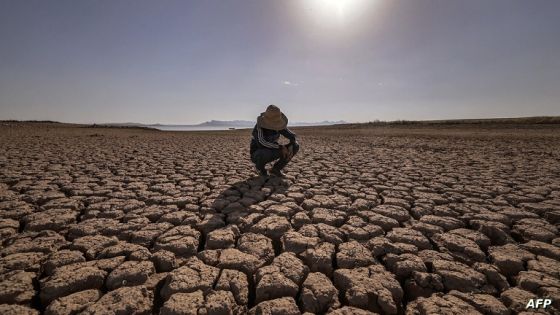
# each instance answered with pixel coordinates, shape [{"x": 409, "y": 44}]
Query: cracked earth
[{"x": 379, "y": 220}]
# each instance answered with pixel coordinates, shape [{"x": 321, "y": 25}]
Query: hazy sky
[{"x": 357, "y": 60}]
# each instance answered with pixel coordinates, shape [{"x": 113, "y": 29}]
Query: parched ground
[{"x": 388, "y": 220}]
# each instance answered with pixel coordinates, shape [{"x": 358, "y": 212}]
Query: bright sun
[{"x": 337, "y": 9}]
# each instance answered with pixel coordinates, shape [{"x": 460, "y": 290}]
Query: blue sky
[{"x": 354, "y": 60}]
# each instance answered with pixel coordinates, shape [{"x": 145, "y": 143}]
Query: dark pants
[{"x": 262, "y": 156}]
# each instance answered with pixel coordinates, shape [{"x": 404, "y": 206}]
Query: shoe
[
  {"x": 262, "y": 172},
  {"x": 277, "y": 173}
]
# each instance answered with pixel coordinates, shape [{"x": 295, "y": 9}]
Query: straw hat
[{"x": 272, "y": 118}]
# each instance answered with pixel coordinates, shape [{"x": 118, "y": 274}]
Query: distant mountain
[
  {"x": 223, "y": 123},
  {"x": 227, "y": 123},
  {"x": 320, "y": 123},
  {"x": 248, "y": 123}
]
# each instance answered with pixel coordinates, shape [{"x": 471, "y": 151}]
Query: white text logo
[{"x": 538, "y": 303}]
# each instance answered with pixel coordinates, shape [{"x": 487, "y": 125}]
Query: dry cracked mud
[{"x": 396, "y": 220}]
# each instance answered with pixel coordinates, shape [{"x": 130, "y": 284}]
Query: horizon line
[{"x": 297, "y": 122}]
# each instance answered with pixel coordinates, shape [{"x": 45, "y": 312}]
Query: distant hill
[
  {"x": 537, "y": 120},
  {"x": 227, "y": 123},
  {"x": 223, "y": 123},
  {"x": 320, "y": 123},
  {"x": 248, "y": 123}
]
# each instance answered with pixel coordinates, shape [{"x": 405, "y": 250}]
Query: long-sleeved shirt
[{"x": 267, "y": 138}]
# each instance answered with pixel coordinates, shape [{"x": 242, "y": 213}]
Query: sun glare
[{"x": 340, "y": 10}]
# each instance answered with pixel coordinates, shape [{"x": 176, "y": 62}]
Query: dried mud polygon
[{"x": 389, "y": 221}]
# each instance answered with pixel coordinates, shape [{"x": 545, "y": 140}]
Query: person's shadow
[
  {"x": 238, "y": 206},
  {"x": 241, "y": 204},
  {"x": 247, "y": 196}
]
